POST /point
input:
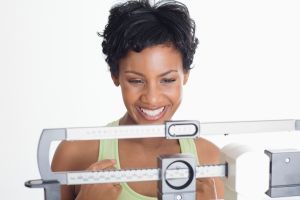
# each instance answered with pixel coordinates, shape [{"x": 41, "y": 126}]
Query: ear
[
  {"x": 115, "y": 80},
  {"x": 186, "y": 75}
]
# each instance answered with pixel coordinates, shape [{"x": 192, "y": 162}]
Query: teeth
[{"x": 152, "y": 113}]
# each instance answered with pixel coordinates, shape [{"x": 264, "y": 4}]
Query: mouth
[{"x": 152, "y": 114}]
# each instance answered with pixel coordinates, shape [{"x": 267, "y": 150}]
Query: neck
[{"x": 126, "y": 120}]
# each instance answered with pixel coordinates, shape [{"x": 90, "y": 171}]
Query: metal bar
[
  {"x": 209, "y": 128},
  {"x": 48, "y": 136},
  {"x": 297, "y": 125},
  {"x": 170, "y": 130},
  {"x": 51, "y": 188},
  {"x": 224, "y": 128},
  {"x": 138, "y": 175},
  {"x": 206, "y": 171},
  {"x": 111, "y": 176},
  {"x": 119, "y": 132}
]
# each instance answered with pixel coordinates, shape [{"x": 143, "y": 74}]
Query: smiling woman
[
  {"x": 149, "y": 50},
  {"x": 151, "y": 82}
]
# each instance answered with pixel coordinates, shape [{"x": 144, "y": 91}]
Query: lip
[{"x": 152, "y": 118}]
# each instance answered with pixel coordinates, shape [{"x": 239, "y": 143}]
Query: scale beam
[
  {"x": 136, "y": 175},
  {"x": 173, "y": 169},
  {"x": 224, "y": 128}
]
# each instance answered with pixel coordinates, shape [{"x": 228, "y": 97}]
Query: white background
[{"x": 53, "y": 74}]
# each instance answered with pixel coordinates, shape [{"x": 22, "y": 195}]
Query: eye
[
  {"x": 136, "y": 81},
  {"x": 168, "y": 80}
]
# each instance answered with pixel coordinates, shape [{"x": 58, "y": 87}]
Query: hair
[{"x": 136, "y": 24}]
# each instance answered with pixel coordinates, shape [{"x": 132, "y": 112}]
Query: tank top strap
[
  {"x": 189, "y": 146},
  {"x": 109, "y": 148}
]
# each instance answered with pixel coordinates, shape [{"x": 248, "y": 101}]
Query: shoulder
[
  {"x": 75, "y": 155},
  {"x": 208, "y": 152}
]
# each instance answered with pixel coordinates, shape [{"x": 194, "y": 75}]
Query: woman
[{"x": 149, "y": 50}]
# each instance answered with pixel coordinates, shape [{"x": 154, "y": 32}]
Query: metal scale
[{"x": 177, "y": 174}]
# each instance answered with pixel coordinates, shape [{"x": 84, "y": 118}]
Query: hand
[{"x": 102, "y": 191}]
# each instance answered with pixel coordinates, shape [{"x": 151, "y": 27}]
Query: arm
[
  {"x": 71, "y": 156},
  {"x": 208, "y": 188}
]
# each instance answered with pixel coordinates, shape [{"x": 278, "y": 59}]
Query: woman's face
[{"x": 151, "y": 82}]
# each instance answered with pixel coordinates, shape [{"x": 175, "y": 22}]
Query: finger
[
  {"x": 103, "y": 164},
  {"x": 117, "y": 187}
]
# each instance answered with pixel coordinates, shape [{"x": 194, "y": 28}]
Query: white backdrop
[{"x": 53, "y": 74}]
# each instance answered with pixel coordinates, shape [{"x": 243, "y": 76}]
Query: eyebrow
[{"x": 163, "y": 74}]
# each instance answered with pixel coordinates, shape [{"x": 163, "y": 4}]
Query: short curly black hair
[{"x": 136, "y": 24}]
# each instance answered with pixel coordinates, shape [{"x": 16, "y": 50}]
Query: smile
[{"x": 152, "y": 114}]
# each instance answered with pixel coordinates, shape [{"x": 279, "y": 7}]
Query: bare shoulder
[
  {"x": 75, "y": 155},
  {"x": 208, "y": 152}
]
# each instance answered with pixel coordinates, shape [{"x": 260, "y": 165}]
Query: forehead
[{"x": 152, "y": 59}]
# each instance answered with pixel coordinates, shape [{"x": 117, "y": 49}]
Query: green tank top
[{"x": 109, "y": 150}]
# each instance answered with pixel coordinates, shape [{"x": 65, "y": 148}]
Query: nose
[{"x": 151, "y": 94}]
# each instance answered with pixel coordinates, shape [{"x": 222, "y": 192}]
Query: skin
[{"x": 151, "y": 83}]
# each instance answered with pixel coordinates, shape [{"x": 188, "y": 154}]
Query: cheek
[
  {"x": 130, "y": 94},
  {"x": 174, "y": 93}
]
